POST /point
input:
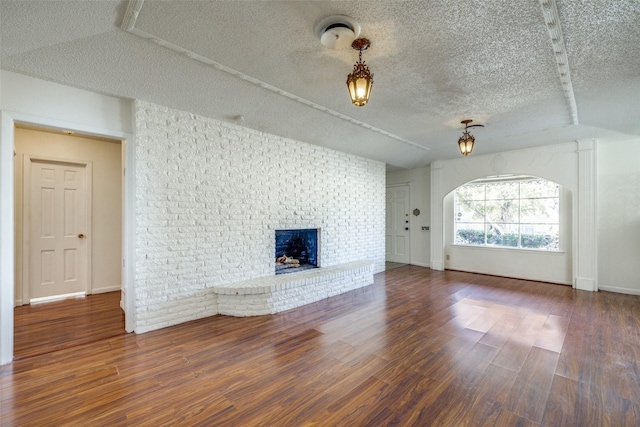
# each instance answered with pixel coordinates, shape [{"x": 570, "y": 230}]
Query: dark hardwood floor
[
  {"x": 418, "y": 347},
  {"x": 52, "y": 326}
]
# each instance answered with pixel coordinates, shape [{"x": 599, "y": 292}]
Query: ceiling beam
[
  {"x": 128, "y": 24},
  {"x": 552, "y": 21}
]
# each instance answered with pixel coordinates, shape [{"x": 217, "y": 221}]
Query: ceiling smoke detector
[{"x": 337, "y": 31}]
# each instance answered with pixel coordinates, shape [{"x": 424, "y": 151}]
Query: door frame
[
  {"x": 409, "y": 242},
  {"x": 28, "y": 159},
  {"x": 8, "y": 120}
]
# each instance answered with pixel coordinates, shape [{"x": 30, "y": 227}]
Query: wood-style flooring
[
  {"x": 419, "y": 347},
  {"x": 52, "y": 326}
]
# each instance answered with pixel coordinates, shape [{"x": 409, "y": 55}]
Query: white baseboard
[
  {"x": 57, "y": 297},
  {"x": 105, "y": 289},
  {"x": 19, "y": 302},
  {"x": 524, "y": 277},
  {"x": 420, "y": 264},
  {"x": 619, "y": 290}
]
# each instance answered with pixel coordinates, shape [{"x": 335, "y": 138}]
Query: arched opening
[
  {"x": 7, "y": 223},
  {"x": 510, "y": 225}
]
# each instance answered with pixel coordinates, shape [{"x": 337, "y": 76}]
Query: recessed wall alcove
[{"x": 571, "y": 165}]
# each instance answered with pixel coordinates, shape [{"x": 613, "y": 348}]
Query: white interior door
[
  {"x": 398, "y": 247},
  {"x": 58, "y": 244}
]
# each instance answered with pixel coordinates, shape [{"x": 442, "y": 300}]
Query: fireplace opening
[{"x": 296, "y": 250}]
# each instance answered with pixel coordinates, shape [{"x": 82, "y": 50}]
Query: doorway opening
[{"x": 68, "y": 196}]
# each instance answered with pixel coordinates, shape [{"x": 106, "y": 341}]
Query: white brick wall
[
  {"x": 210, "y": 195},
  {"x": 274, "y": 294}
]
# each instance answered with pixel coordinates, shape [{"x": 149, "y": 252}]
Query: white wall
[
  {"x": 545, "y": 266},
  {"x": 65, "y": 107},
  {"x": 556, "y": 163},
  {"x": 210, "y": 196},
  {"x": 27, "y": 100},
  {"x": 106, "y": 232},
  {"x": 619, "y": 216},
  {"x": 419, "y": 181}
]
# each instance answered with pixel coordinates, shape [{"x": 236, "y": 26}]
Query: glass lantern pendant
[{"x": 360, "y": 80}]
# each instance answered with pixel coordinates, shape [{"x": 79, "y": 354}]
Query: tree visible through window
[{"x": 521, "y": 212}]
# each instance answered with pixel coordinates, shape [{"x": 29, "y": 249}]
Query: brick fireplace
[{"x": 210, "y": 196}]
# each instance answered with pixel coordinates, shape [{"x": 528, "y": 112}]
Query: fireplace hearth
[{"x": 296, "y": 250}]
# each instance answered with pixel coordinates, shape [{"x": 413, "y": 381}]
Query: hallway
[{"x": 49, "y": 327}]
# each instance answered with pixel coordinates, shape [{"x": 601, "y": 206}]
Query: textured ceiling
[{"x": 535, "y": 72}]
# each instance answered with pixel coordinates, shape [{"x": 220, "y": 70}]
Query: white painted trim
[
  {"x": 437, "y": 217},
  {"x": 129, "y": 231},
  {"x": 411, "y": 221},
  {"x": 89, "y": 224},
  {"x": 586, "y": 272},
  {"x": 627, "y": 291},
  {"x": 439, "y": 266},
  {"x": 585, "y": 284},
  {"x": 421, "y": 264},
  {"x": 7, "y": 248},
  {"x": 552, "y": 20},
  {"x": 106, "y": 289},
  {"x": 8, "y": 119},
  {"x": 26, "y": 218},
  {"x": 58, "y": 297},
  {"x": 26, "y": 231},
  {"x": 519, "y": 277},
  {"x": 574, "y": 236}
]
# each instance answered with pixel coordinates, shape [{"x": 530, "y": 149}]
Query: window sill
[{"x": 508, "y": 249}]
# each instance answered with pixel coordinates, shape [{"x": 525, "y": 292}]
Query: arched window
[{"x": 515, "y": 211}]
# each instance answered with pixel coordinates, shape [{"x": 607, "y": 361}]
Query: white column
[
  {"x": 586, "y": 260},
  {"x": 128, "y": 300},
  {"x": 437, "y": 219}
]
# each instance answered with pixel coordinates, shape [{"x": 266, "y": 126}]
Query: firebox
[{"x": 296, "y": 250}]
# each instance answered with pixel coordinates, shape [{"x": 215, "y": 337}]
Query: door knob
[{"x": 80, "y": 236}]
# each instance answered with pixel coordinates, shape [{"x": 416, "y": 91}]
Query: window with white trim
[{"x": 514, "y": 212}]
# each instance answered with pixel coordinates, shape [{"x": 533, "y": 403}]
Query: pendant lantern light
[
  {"x": 360, "y": 80},
  {"x": 466, "y": 141}
]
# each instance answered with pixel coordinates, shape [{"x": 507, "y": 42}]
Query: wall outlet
[{"x": 448, "y": 257}]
